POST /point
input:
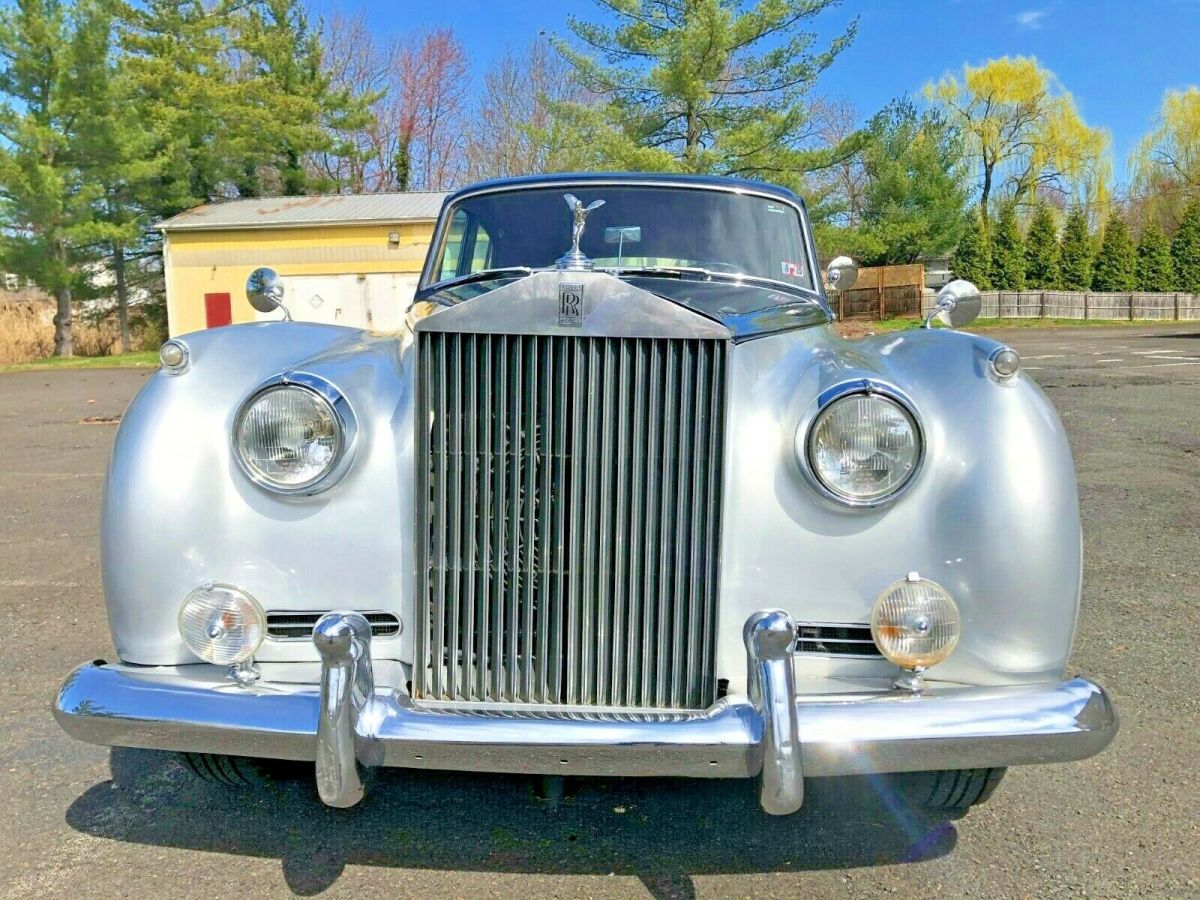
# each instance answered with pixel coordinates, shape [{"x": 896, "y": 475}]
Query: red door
[{"x": 216, "y": 310}]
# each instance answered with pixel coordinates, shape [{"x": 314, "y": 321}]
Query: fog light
[
  {"x": 221, "y": 624},
  {"x": 915, "y": 624},
  {"x": 1005, "y": 362}
]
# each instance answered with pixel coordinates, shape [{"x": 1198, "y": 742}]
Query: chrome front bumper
[{"x": 347, "y": 721}]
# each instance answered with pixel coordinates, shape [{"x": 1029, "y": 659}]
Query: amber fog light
[
  {"x": 915, "y": 624},
  {"x": 221, "y": 624}
]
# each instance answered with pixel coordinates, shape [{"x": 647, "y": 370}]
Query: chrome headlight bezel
[
  {"x": 805, "y": 435},
  {"x": 343, "y": 417}
]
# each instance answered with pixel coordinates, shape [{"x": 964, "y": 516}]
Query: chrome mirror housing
[
  {"x": 264, "y": 290},
  {"x": 842, "y": 273},
  {"x": 958, "y": 304}
]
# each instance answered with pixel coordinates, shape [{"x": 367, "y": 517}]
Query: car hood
[{"x": 747, "y": 310}]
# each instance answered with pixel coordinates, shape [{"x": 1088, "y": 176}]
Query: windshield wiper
[
  {"x": 709, "y": 274},
  {"x": 484, "y": 275},
  {"x": 665, "y": 271}
]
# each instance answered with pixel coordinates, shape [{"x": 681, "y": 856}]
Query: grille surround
[{"x": 568, "y": 518}]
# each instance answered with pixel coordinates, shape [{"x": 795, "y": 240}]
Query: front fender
[
  {"x": 993, "y": 515},
  {"x": 179, "y": 511}
]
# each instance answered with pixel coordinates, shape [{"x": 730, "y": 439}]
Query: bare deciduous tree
[
  {"x": 839, "y": 188},
  {"x": 435, "y": 94},
  {"x": 358, "y": 62},
  {"x": 417, "y": 92},
  {"x": 514, "y": 132}
]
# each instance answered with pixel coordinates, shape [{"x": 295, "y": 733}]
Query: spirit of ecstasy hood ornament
[{"x": 573, "y": 259}]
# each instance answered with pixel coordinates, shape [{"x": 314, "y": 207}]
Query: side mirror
[
  {"x": 842, "y": 273},
  {"x": 957, "y": 304},
  {"x": 264, "y": 290}
]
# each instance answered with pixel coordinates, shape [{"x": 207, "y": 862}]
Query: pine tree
[
  {"x": 706, "y": 86},
  {"x": 45, "y": 203},
  {"x": 297, "y": 110},
  {"x": 1155, "y": 272},
  {"x": 972, "y": 256},
  {"x": 181, "y": 79},
  {"x": 1075, "y": 252},
  {"x": 1006, "y": 271},
  {"x": 1185, "y": 250},
  {"x": 119, "y": 152},
  {"x": 1041, "y": 250},
  {"x": 1116, "y": 263},
  {"x": 913, "y": 201}
]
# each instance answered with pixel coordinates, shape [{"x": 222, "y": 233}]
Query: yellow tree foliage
[
  {"x": 1023, "y": 133},
  {"x": 1166, "y": 164}
]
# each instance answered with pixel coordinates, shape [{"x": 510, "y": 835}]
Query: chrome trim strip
[{"x": 344, "y": 641}]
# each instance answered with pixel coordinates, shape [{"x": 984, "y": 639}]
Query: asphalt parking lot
[{"x": 82, "y": 821}]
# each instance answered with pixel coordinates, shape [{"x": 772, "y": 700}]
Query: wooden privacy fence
[
  {"x": 1172, "y": 307},
  {"x": 882, "y": 291}
]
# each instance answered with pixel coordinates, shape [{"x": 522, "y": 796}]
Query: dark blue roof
[{"x": 710, "y": 181}]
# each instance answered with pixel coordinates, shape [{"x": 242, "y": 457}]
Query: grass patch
[{"x": 139, "y": 359}]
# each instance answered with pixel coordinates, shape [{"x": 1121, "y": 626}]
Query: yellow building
[{"x": 345, "y": 259}]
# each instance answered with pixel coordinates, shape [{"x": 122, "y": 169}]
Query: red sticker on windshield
[{"x": 793, "y": 269}]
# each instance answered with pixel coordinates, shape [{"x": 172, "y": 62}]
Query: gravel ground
[{"x": 1127, "y": 823}]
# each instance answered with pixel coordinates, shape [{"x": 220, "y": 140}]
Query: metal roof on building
[{"x": 289, "y": 212}]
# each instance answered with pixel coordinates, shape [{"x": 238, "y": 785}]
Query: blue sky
[{"x": 1116, "y": 56}]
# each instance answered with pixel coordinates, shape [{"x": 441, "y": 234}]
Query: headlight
[
  {"x": 290, "y": 437},
  {"x": 915, "y": 623},
  {"x": 221, "y": 624},
  {"x": 863, "y": 448}
]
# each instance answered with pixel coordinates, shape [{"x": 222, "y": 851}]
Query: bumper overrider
[{"x": 347, "y": 722}]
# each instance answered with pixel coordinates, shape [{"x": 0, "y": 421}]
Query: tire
[
  {"x": 236, "y": 771},
  {"x": 954, "y": 792}
]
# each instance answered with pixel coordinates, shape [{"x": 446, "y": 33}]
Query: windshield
[{"x": 638, "y": 227}]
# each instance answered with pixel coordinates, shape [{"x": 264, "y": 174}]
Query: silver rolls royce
[{"x": 616, "y": 501}]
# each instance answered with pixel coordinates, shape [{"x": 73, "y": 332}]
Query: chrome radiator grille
[{"x": 568, "y": 516}]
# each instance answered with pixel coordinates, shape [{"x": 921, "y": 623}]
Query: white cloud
[{"x": 1031, "y": 18}]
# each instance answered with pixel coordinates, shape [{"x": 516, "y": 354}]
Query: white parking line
[
  {"x": 1048, "y": 356},
  {"x": 1110, "y": 360},
  {"x": 37, "y": 583},
  {"x": 1152, "y": 366},
  {"x": 1148, "y": 352},
  {"x": 71, "y": 475}
]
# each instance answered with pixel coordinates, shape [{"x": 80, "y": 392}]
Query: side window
[
  {"x": 454, "y": 246},
  {"x": 468, "y": 247},
  {"x": 481, "y": 253}
]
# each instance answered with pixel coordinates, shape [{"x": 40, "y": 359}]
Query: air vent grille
[{"x": 295, "y": 626}]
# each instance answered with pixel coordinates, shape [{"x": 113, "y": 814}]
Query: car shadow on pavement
[{"x": 662, "y": 831}]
